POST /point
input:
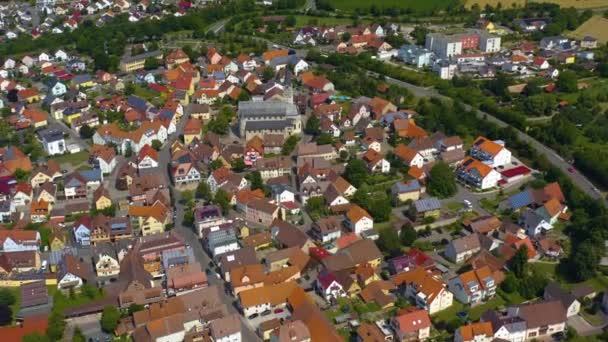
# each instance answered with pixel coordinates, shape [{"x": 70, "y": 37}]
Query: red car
[
  {"x": 277, "y": 311},
  {"x": 571, "y": 170}
]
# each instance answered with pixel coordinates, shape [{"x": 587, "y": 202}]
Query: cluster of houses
[
  {"x": 58, "y": 16},
  {"x": 142, "y": 149}
]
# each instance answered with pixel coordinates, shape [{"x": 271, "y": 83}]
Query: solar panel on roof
[
  {"x": 479, "y": 142},
  {"x": 467, "y": 163}
]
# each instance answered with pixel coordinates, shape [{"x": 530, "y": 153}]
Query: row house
[{"x": 475, "y": 286}]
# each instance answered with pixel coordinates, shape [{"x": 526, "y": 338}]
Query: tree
[
  {"x": 216, "y": 164},
  {"x": 6, "y": 314},
  {"x": 255, "y": 179},
  {"x": 583, "y": 262},
  {"x": 345, "y": 36},
  {"x": 6, "y": 297},
  {"x": 566, "y": 82},
  {"x": 221, "y": 198},
  {"x": 109, "y": 319},
  {"x": 129, "y": 151},
  {"x": 187, "y": 196},
  {"x": 150, "y": 63},
  {"x": 157, "y": 144},
  {"x": 134, "y": 308},
  {"x": 290, "y": 21},
  {"x": 356, "y": 172},
  {"x": 325, "y": 139},
  {"x": 268, "y": 74},
  {"x": 407, "y": 235},
  {"x": 313, "y": 126},
  {"x": 86, "y": 132},
  {"x": 343, "y": 155},
  {"x": 21, "y": 175},
  {"x": 419, "y": 33},
  {"x": 290, "y": 145},
  {"x": 388, "y": 241},
  {"x": 238, "y": 165},
  {"x": 442, "y": 182},
  {"x": 519, "y": 261},
  {"x": 203, "y": 191},
  {"x": 510, "y": 284}
]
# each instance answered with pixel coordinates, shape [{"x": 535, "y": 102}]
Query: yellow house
[
  {"x": 570, "y": 59},
  {"x": 102, "y": 198},
  {"x": 40, "y": 178},
  {"x": 57, "y": 241},
  {"x": 192, "y": 130},
  {"x": 149, "y": 219},
  {"x": 351, "y": 287},
  {"x": 68, "y": 117}
]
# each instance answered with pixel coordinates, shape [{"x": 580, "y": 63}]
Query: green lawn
[
  {"x": 511, "y": 298},
  {"x": 455, "y": 206},
  {"x": 73, "y": 159},
  {"x": 475, "y": 313},
  {"x": 415, "y": 5},
  {"x": 305, "y": 20}
]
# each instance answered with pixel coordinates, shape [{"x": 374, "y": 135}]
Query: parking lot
[{"x": 279, "y": 313}]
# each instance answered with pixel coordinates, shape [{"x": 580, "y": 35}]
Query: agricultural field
[
  {"x": 505, "y": 3},
  {"x": 422, "y": 6},
  {"x": 596, "y": 26},
  {"x": 584, "y": 4}
]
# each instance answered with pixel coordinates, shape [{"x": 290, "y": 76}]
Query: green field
[
  {"x": 414, "y": 5},
  {"x": 74, "y": 159},
  {"x": 304, "y": 20}
]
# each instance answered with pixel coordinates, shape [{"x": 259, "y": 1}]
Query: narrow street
[{"x": 192, "y": 239}]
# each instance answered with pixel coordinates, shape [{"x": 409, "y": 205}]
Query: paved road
[
  {"x": 581, "y": 181},
  {"x": 577, "y": 178},
  {"x": 192, "y": 239}
]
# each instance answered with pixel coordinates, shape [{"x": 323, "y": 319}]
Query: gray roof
[
  {"x": 221, "y": 237},
  {"x": 51, "y": 134},
  {"x": 266, "y": 125},
  {"x": 403, "y": 187},
  {"x": 141, "y": 56},
  {"x": 427, "y": 204},
  {"x": 466, "y": 243},
  {"x": 267, "y": 108}
]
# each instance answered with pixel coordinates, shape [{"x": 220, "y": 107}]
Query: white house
[
  {"x": 300, "y": 66},
  {"x": 477, "y": 174},
  {"x": 328, "y": 287},
  {"x": 61, "y": 55},
  {"x": 359, "y": 220},
  {"x": 82, "y": 233},
  {"x": 474, "y": 287},
  {"x": 53, "y": 142},
  {"x": 490, "y": 152},
  {"x": 58, "y": 89},
  {"x": 106, "y": 265},
  {"x": 19, "y": 240},
  {"x": 147, "y": 158},
  {"x": 427, "y": 291}
]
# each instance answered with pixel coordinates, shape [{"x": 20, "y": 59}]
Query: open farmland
[
  {"x": 505, "y": 3},
  {"x": 420, "y": 6},
  {"x": 578, "y": 3},
  {"x": 596, "y": 27}
]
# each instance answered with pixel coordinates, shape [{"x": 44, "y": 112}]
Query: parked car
[
  {"x": 255, "y": 315},
  {"x": 266, "y": 313},
  {"x": 571, "y": 170},
  {"x": 277, "y": 311}
]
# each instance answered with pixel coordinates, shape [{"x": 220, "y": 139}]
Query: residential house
[
  {"x": 105, "y": 260},
  {"x": 475, "y": 332},
  {"x": 427, "y": 290},
  {"x": 72, "y": 273},
  {"x": 553, "y": 291},
  {"x": 82, "y": 229},
  {"x": 149, "y": 219},
  {"x": 477, "y": 174},
  {"x": 328, "y": 287},
  {"x": 376, "y": 162},
  {"x": 147, "y": 158},
  {"x": 463, "y": 248},
  {"x": 409, "y": 156},
  {"x": 412, "y": 326},
  {"x": 358, "y": 220},
  {"x": 493, "y": 153},
  {"x": 474, "y": 286},
  {"x": 101, "y": 198},
  {"x": 409, "y": 190},
  {"x": 19, "y": 240},
  {"x": 262, "y": 211},
  {"x": 221, "y": 241},
  {"x": 327, "y": 229}
]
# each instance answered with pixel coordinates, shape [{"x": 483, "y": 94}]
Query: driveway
[{"x": 583, "y": 327}]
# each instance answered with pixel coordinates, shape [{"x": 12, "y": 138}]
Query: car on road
[
  {"x": 255, "y": 315},
  {"x": 571, "y": 170},
  {"x": 467, "y": 203}
]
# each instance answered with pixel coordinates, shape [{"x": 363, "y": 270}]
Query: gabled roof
[{"x": 413, "y": 321}]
